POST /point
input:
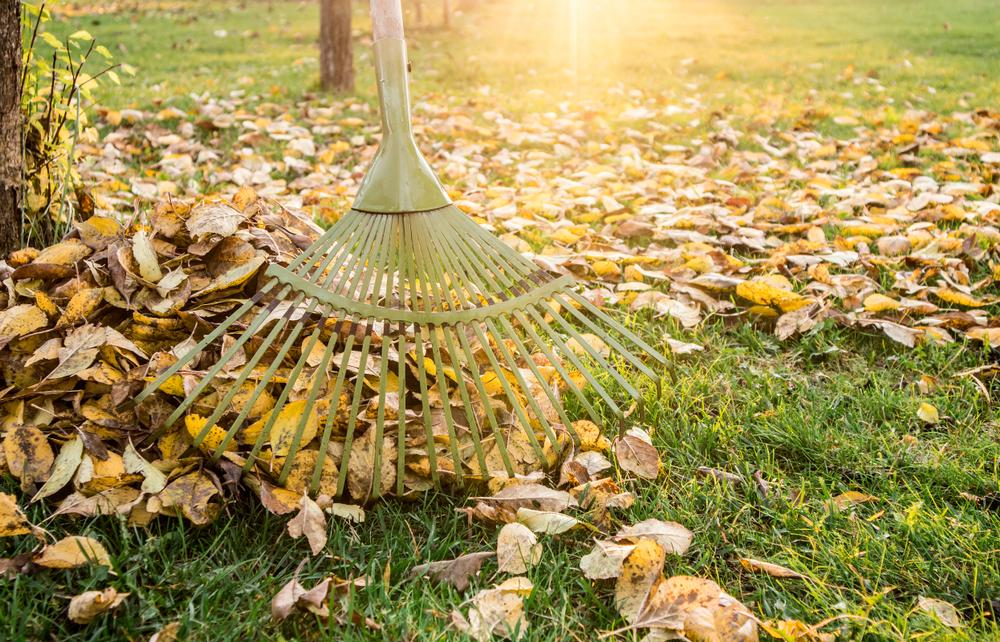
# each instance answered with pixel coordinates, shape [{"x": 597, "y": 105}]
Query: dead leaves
[
  {"x": 517, "y": 549},
  {"x": 86, "y": 607},
  {"x": 636, "y": 454},
  {"x": 498, "y": 611},
  {"x": 73, "y": 552},
  {"x": 12, "y": 520},
  {"x": 456, "y": 572},
  {"x": 311, "y": 522}
]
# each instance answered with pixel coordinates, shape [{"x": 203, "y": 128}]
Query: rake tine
[
  {"x": 362, "y": 285},
  {"x": 564, "y": 349},
  {"x": 519, "y": 377},
  {"x": 465, "y": 269},
  {"x": 389, "y": 273},
  {"x": 511, "y": 396},
  {"x": 209, "y": 375},
  {"x": 299, "y": 262},
  {"x": 261, "y": 350},
  {"x": 583, "y": 343},
  {"x": 460, "y": 251},
  {"x": 353, "y": 417},
  {"x": 242, "y": 339},
  {"x": 418, "y": 330},
  {"x": 324, "y": 440},
  {"x": 461, "y": 280},
  {"x": 600, "y": 314},
  {"x": 293, "y": 448},
  {"x": 472, "y": 265},
  {"x": 424, "y": 254},
  {"x": 223, "y": 405},
  {"x": 485, "y": 398},
  {"x": 543, "y": 346},
  {"x": 606, "y": 336},
  {"x": 526, "y": 357},
  {"x": 401, "y": 410}
]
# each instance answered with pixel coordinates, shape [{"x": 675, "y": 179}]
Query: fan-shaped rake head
[{"x": 462, "y": 349}]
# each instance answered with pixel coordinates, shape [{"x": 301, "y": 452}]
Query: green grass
[
  {"x": 817, "y": 416},
  {"x": 812, "y": 419}
]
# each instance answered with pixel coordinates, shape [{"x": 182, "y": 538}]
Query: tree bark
[
  {"x": 10, "y": 125},
  {"x": 336, "y": 51}
]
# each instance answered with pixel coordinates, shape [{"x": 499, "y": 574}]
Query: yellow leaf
[
  {"x": 928, "y": 413},
  {"x": 852, "y": 498},
  {"x": 287, "y": 425},
  {"x": 765, "y": 294},
  {"x": 73, "y": 552},
  {"x": 80, "y": 306},
  {"x": 958, "y": 298},
  {"x": 21, "y": 320},
  {"x": 606, "y": 269},
  {"x": 12, "y": 520},
  {"x": 880, "y": 303},
  {"x": 28, "y": 454},
  {"x": 195, "y": 424}
]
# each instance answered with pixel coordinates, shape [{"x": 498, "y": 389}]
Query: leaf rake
[{"x": 417, "y": 283}]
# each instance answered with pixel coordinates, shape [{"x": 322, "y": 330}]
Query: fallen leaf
[
  {"x": 928, "y": 413},
  {"x": 12, "y": 520},
  {"x": 84, "y": 608},
  {"x": 73, "y": 552},
  {"x": 543, "y": 521},
  {"x": 774, "y": 570},
  {"x": 518, "y": 549},
  {"x": 852, "y": 498},
  {"x": 642, "y": 569},
  {"x": 310, "y": 522},
  {"x": 28, "y": 454},
  {"x": 945, "y": 612},
  {"x": 153, "y": 480},
  {"x": 635, "y": 454},
  {"x": 673, "y": 537},
  {"x": 457, "y": 572},
  {"x": 498, "y": 611},
  {"x": 605, "y": 561},
  {"x": 63, "y": 469}
]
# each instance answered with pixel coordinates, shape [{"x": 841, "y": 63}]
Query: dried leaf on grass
[
  {"x": 73, "y": 552},
  {"x": 457, "y": 572},
  {"x": 311, "y": 522},
  {"x": 498, "y": 611},
  {"x": 86, "y": 607},
  {"x": 517, "y": 549}
]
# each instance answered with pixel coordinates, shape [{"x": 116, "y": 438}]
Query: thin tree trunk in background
[
  {"x": 445, "y": 14},
  {"x": 10, "y": 125},
  {"x": 336, "y": 52},
  {"x": 419, "y": 6}
]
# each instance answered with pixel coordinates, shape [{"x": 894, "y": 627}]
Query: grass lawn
[{"x": 816, "y": 416}]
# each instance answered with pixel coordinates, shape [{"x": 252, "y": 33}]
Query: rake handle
[{"x": 387, "y": 19}]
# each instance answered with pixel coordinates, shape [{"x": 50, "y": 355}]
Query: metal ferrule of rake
[{"x": 407, "y": 262}]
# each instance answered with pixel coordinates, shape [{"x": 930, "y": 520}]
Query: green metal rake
[{"x": 407, "y": 262}]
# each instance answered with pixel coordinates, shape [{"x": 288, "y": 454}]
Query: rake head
[{"x": 463, "y": 349}]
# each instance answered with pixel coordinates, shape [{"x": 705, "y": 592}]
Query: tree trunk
[
  {"x": 419, "y": 7},
  {"x": 336, "y": 52},
  {"x": 10, "y": 125},
  {"x": 445, "y": 14}
]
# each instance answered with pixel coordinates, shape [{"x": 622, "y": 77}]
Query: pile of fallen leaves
[
  {"x": 80, "y": 324},
  {"x": 89, "y": 322}
]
